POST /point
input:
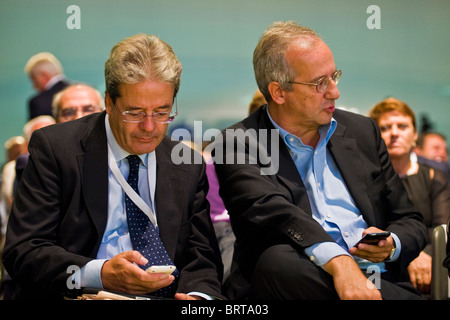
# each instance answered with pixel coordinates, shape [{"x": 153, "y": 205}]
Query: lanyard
[{"x": 129, "y": 190}]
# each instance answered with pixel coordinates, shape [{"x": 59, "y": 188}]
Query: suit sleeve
[
  {"x": 264, "y": 209},
  {"x": 33, "y": 255},
  {"x": 202, "y": 267}
]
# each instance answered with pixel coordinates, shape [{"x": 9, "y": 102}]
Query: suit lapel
[
  {"x": 169, "y": 195},
  {"x": 94, "y": 168},
  {"x": 345, "y": 153},
  {"x": 287, "y": 171}
]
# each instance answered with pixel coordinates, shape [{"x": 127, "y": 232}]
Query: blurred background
[{"x": 408, "y": 57}]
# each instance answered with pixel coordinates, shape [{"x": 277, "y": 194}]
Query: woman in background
[{"x": 427, "y": 187}]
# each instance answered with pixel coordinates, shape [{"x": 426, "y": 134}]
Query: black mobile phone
[{"x": 373, "y": 238}]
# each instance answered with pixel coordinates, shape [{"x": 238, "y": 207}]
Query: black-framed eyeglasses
[
  {"x": 323, "y": 82},
  {"x": 135, "y": 116},
  {"x": 72, "y": 111}
]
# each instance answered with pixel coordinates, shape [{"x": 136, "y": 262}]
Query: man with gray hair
[
  {"x": 297, "y": 229},
  {"x": 101, "y": 204},
  {"x": 46, "y": 74}
]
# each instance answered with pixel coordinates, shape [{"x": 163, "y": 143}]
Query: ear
[
  {"x": 108, "y": 103},
  {"x": 416, "y": 135},
  {"x": 276, "y": 92}
]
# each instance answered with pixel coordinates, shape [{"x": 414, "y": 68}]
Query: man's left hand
[{"x": 378, "y": 252}]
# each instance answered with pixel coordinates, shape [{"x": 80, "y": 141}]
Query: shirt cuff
[
  {"x": 398, "y": 247},
  {"x": 201, "y": 295},
  {"x": 321, "y": 253},
  {"x": 90, "y": 275}
]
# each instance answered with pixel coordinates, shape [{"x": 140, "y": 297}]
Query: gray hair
[
  {"x": 138, "y": 58},
  {"x": 29, "y": 127},
  {"x": 43, "y": 62},
  {"x": 269, "y": 62}
]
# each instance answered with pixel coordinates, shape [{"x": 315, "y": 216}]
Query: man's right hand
[
  {"x": 123, "y": 275},
  {"x": 349, "y": 282}
]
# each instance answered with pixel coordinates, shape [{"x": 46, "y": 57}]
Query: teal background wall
[{"x": 407, "y": 58}]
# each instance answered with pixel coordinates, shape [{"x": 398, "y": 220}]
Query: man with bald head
[{"x": 76, "y": 101}]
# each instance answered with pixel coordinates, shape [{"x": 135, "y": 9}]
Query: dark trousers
[{"x": 282, "y": 273}]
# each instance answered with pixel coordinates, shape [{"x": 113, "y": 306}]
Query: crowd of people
[{"x": 91, "y": 186}]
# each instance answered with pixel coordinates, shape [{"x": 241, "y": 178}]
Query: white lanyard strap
[{"x": 129, "y": 190}]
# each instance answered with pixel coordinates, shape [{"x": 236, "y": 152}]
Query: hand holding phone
[
  {"x": 167, "y": 269},
  {"x": 373, "y": 238}
]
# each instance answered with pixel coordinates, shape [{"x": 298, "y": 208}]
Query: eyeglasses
[
  {"x": 72, "y": 111},
  {"x": 322, "y": 83},
  {"x": 134, "y": 116}
]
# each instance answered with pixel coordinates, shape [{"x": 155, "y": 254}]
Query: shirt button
[
  {"x": 318, "y": 184},
  {"x": 311, "y": 258},
  {"x": 291, "y": 139},
  {"x": 346, "y": 234},
  {"x": 328, "y": 215}
]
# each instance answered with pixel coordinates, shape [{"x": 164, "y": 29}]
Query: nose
[
  {"x": 332, "y": 91},
  {"x": 148, "y": 124},
  {"x": 394, "y": 130}
]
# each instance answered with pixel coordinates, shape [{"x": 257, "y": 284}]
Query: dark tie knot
[{"x": 133, "y": 160}]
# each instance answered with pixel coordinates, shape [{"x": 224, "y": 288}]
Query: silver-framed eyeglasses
[
  {"x": 323, "y": 82},
  {"x": 136, "y": 116},
  {"x": 71, "y": 112}
]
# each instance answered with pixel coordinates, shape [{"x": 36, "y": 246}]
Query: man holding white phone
[{"x": 75, "y": 208}]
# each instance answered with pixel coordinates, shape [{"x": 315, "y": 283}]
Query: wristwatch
[{"x": 391, "y": 254}]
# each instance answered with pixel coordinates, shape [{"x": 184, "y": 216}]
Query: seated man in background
[
  {"x": 101, "y": 195},
  {"x": 71, "y": 103},
  {"x": 329, "y": 182},
  {"x": 431, "y": 149},
  {"x": 76, "y": 101}
]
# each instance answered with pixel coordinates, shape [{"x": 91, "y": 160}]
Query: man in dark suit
[
  {"x": 329, "y": 181},
  {"x": 46, "y": 74},
  {"x": 70, "y": 213}
]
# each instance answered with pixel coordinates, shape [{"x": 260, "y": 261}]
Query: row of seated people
[{"x": 333, "y": 183}]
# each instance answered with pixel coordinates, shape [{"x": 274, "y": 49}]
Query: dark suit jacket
[
  {"x": 60, "y": 211},
  {"x": 272, "y": 209},
  {"x": 41, "y": 104}
]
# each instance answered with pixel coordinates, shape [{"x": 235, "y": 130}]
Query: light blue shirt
[
  {"x": 331, "y": 203},
  {"x": 116, "y": 238}
]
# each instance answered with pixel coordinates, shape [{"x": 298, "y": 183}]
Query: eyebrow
[
  {"x": 320, "y": 77},
  {"x": 140, "y": 108}
]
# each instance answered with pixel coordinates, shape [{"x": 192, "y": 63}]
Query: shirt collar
[
  {"x": 54, "y": 80},
  {"x": 325, "y": 132},
  {"x": 118, "y": 152}
]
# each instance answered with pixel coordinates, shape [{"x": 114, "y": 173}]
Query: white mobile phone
[{"x": 168, "y": 269}]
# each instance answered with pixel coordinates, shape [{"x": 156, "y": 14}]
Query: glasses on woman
[{"x": 323, "y": 82}]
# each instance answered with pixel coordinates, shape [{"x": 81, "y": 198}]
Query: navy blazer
[
  {"x": 266, "y": 210},
  {"x": 60, "y": 211},
  {"x": 41, "y": 104}
]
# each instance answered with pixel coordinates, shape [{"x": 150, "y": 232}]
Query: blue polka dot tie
[{"x": 143, "y": 235}]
